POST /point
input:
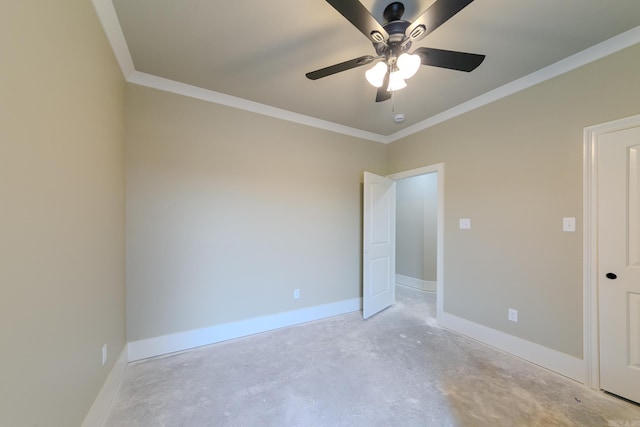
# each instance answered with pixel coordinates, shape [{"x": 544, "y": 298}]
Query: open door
[{"x": 379, "y": 244}]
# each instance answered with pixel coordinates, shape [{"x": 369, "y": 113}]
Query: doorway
[
  {"x": 416, "y": 227},
  {"x": 433, "y": 277},
  {"x": 379, "y": 240}
]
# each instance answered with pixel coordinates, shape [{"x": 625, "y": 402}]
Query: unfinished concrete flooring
[{"x": 395, "y": 369}]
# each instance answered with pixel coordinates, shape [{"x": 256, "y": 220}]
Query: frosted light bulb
[
  {"x": 408, "y": 65},
  {"x": 396, "y": 82},
  {"x": 375, "y": 75}
]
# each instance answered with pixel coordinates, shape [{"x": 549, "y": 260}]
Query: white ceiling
[{"x": 260, "y": 52}]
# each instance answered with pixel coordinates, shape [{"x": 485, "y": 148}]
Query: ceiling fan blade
[
  {"x": 343, "y": 66},
  {"x": 452, "y": 60},
  {"x": 360, "y": 18},
  {"x": 383, "y": 94},
  {"x": 439, "y": 13}
]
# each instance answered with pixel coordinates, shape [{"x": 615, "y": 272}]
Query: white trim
[
  {"x": 590, "y": 248},
  {"x": 439, "y": 169},
  {"x": 598, "y": 51},
  {"x": 593, "y": 53},
  {"x": 416, "y": 172},
  {"x": 109, "y": 20},
  {"x": 412, "y": 282},
  {"x": 111, "y": 25},
  {"x": 196, "y": 92},
  {"x": 564, "y": 364},
  {"x": 589, "y": 264},
  {"x": 157, "y": 346},
  {"x": 100, "y": 408}
]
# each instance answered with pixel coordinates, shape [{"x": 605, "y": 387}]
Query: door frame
[
  {"x": 591, "y": 338},
  {"x": 439, "y": 169}
]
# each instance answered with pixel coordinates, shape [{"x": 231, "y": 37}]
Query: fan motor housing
[{"x": 396, "y": 30}]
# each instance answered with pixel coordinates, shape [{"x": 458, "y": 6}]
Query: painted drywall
[
  {"x": 416, "y": 222},
  {"x": 62, "y": 211},
  {"x": 228, "y": 212},
  {"x": 514, "y": 167}
]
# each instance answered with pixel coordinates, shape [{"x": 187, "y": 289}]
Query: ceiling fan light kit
[{"x": 392, "y": 41}]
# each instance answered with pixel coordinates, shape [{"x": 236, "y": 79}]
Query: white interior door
[
  {"x": 379, "y": 244},
  {"x": 619, "y": 262}
]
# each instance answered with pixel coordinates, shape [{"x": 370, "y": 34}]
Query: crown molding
[
  {"x": 598, "y": 51},
  {"x": 167, "y": 85},
  {"x": 109, "y": 20},
  {"x": 111, "y": 25}
]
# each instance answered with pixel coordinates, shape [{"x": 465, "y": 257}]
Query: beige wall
[
  {"x": 515, "y": 168},
  {"x": 229, "y": 211},
  {"x": 61, "y": 211},
  {"x": 416, "y": 226}
]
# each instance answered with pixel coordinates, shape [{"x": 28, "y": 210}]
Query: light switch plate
[
  {"x": 569, "y": 224},
  {"x": 465, "y": 224}
]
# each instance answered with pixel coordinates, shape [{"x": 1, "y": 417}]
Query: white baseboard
[
  {"x": 100, "y": 408},
  {"x": 561, "y": 363},
  {"x": 165, "y": 344},
  {"x": 412, "y": 282}
]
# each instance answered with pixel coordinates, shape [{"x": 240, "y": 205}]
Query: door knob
[{"x": 611, "y": 276}]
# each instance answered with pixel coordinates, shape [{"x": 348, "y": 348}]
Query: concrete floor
[{"x": 396, "y": 369}]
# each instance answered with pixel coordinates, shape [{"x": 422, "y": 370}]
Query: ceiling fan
[{"x": 392, "y": 41}]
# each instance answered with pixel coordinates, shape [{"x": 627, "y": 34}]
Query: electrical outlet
[
  {"x": 465, "y": 223},
  {"x": 296, "y": 293},
  {"x": 513, "y": 315},
  {"x": 104, "y": 354}
]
